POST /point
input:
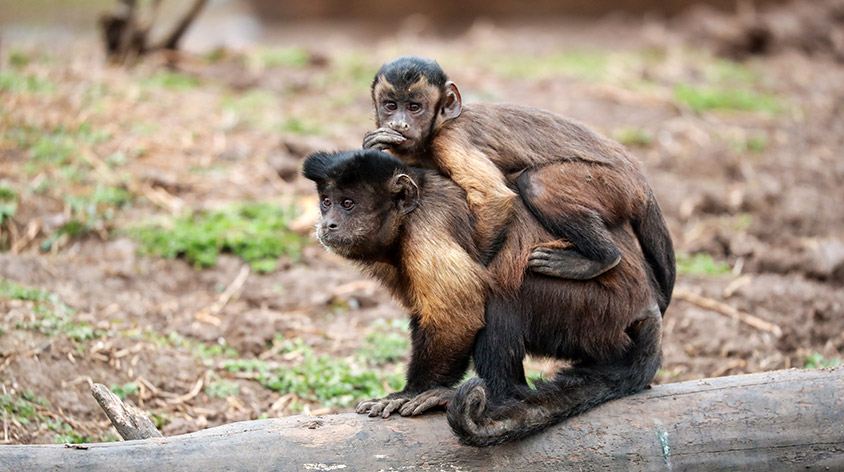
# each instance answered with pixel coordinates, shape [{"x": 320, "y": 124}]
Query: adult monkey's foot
[{"x": 407, "y": 404}]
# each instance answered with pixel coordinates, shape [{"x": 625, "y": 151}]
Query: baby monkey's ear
[
  {"x": 452, "y": 104},
  {"x": 405, "y": 192}
]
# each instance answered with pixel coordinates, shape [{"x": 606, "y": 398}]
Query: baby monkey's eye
[
  {"x": 326, "y": 202},
  {"x": 347, "y": 204},
  {"x": 391, "y": 106},
  {"x": 414, "y": 107}
]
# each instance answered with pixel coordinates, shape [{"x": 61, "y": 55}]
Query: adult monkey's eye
[
  {"x": 414, "y": 107},
  {"x": 391, "y": 106},
  {"x": 347, "y": 204},
  {"x": 326, "y": 202}
]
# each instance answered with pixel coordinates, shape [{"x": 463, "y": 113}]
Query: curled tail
[
  {"x": 478, "y": 422},
  {"x": 655, "y": 241}
]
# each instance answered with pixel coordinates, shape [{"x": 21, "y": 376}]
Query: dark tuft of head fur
[
  {"x": 352, "y": 167},
  {"x": 407, "y": 70}
]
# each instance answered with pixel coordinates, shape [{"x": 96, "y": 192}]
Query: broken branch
[{"x": 723, "y": 309}]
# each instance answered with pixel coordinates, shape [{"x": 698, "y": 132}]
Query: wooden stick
[
  {"x": 723, "y": 309},
  {"x": 130, "y": 422},
  {"x": 197, "y": 387},
  {"x": 209, "y": 313}
]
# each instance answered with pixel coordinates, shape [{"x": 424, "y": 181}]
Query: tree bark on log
[{"x": 783, "y": 420}]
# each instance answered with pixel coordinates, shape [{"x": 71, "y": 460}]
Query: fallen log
[{"x": 782, "y": 420}]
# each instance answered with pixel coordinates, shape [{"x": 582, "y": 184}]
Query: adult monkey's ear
[
  {"x": 405, "y": 193},
  {"x": 452, "y": 104},
  {"x": 317, "y": 164}
]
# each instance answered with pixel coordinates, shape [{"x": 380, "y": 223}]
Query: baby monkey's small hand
[{"x": 382, "y": 139}]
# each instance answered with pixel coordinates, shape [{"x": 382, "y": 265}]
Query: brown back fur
[{"x": 447, "y": 287}]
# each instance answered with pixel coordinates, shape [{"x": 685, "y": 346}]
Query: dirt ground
[{"x": 745, "y": 159}]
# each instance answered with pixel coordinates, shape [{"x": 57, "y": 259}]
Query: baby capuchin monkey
[
  {"x": 577, "y": 184},
  {"x": 384, "y": 216}
]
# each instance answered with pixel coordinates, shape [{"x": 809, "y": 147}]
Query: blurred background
[{"x": 155, "y": 233}]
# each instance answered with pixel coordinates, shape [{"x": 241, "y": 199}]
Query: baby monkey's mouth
[{"x": 406, "y": 138}]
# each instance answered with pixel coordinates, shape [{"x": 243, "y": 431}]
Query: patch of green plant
[
  {"x": 755, "y": 144},
  {"x": 386, "y": 345},
  {"x": 125, "y": 390},
  {"x": 201, "y": 349},
  {"x": 65, "y": 434},
  {"x": 26, "y": 408},
  {"x": 253, "y": 101},
  {"x": 72, "y": 229},
  {"x": 269, "y": 58},
  {"x": 331, "y": 381},
  {"x": 116, "y": 159},
  {"x": 818, "y": 361},
  {"x": 94, "y": 95},
  {"x": 8, "y": 208},
  {"x": 160, "y": 420},
  {"x": 257, "y": 232},
  {"x": 52, "y": 315},
  {"x": 10, "y": 290},
  {"x": 171, "y": 80},
  {"x": 56, "y": 148},
  {"x": 741, "y": 222},
  {"x": 725, "y": 71},
  {"x": 222, "y": 388},
  {"x": 87, "y": 133},
  {"x": 103, "y": 200},
  {"x": 91, "y": 212},
  {"x": 701, "y": 264},
  {"x": 212, "y": 350},
  {"x": 80, "y": 332},
  {"x": 49, "y": 319},
  {"x": 216, "y": 55},
  {"x": 7, "y": 193},
  {"x": 246, "y": 365},
  {"x": 299, "y": 126},
  {"x": 12, "y": 81},
  {"x": 701, "y": 99},
  {"x": 145, "y": 128},
  {"x": 633, "y": 137},
  {"x": 18, "y": 58},
  {"x": 23, "y": 407},
  {"x": 356, "y": 70},
  {"x": 666, "y": 375},
  {"x": 584, "y": 64},
  {"x": 252, "y": 107}
]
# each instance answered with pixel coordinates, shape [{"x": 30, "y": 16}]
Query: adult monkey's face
[{"x": 364, "y": 199}]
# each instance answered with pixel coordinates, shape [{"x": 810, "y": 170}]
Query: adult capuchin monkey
[
  {"x": 383, "y": 215},
  {"x": 578, "y": 184}
]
